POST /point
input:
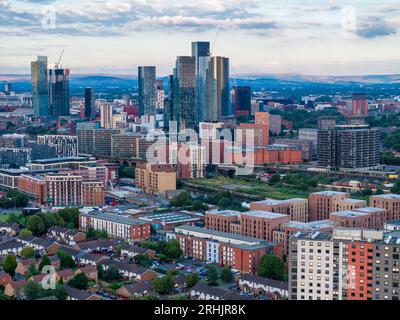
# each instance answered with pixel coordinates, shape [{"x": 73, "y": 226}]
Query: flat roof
[
  {"x": 388, "y": 196},
  {"x": 264, "y": 214},
  {"x": 272, "y": 202},
  {"x": 226, "y": 213},
  {"x": 329, "y": 193},
  {"x": 224, "y": 236},
  {"x": 349, "y": 213},
  {"x": 114, "y": 218},
  {"x": 169, "y": 218},
  {"x": 313, "y": 225},
  {"x": 61, "y": 159}
]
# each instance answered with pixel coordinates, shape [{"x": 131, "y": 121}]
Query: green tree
[
  {"x": 182, "y": 199},
  {"x": 112, "y": 274},
  {"x": 272, "y": 267},
  {"x": 70, "y": 216},
  {"x": 32, "y": 270},
  {"x": 60, "y": 292},
  {"x": 212, "y": 276},
  {"x": 150, "y": 296},
  {"x": 396, "y": 187},
  {"x": 33, "y": 290},
  {"x": 173, "y": 249},
  {"x": 66, "y": 261},
  {"x": 163, "y": 285},
  {"x": 25, "y": 232},
  {"x": 44, "y": 261},
  {"x": 10, "y": 264},
  {"x": 275, "y": 178},
  {"x": 27, "y": 253},
  {"x": 142, "y": 260},
  {"x": 226, "y": 274},
  {"x": 192, "y": 279},
  {"x": 36, "y": 225},
  {"x": 80, "y": 281}
]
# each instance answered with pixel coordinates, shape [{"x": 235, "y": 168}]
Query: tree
[
  {"x": 272, "y": 267},
  {"x": 198, "y": 205},
  {"x": 212, "y": 276},
  {"x": 396, "y": 187},
  {"x": 25, "y": 232},
  {"x": 27, "y": 252},
  {"x": 32, "y": 270},
  {"x": 182, "y": 199},
  {"x": 112, "y": 274},
  {"x": 66, "y": 260},
  {"x": 142, "y": 260},
  {"x": 192, "y": 279},
  {"x": 163, "y": 285},
  {"x": 150, "y": 296},
  {"x": 70, "y": 216},
  {"x": 60, "y": 292},
  {"x": 10, "y": 264},
  {"x": 173, "y": 249},
  {"x": 36, "y": 225},
  {"x": 275, "y": 178},
  {"x": 44, "y": 261},
  {"x": 226, "y": 274},
  {"x": 80, "y": 281},
  {"x": 93, "y": 234},
  {"x": 33, "y": 290}
]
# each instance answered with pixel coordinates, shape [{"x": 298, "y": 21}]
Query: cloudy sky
[{"x": 331, "y": 37}]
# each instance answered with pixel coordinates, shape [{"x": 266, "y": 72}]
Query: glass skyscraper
[
  {"x": 40, "y": 87},
  {"x": 201, "y": 53},
  {"x": 147, "y": 90},
  {"x": 184, "y": 86},
  {"x": 59, "y": 92},
  {"x": 90, "y": 111}
]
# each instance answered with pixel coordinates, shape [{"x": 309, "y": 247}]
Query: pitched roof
[
  {"x": 264, "y": 281},
  {"x": 66, "y": 273},
  {"x": 212, "y": 291},
  {"x": 77, "y": 294},
  {"x": 139, "y": 288}
]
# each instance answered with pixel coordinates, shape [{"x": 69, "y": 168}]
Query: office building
[
  {"x": 59, "y": 102},
  {"x": 90, "y": 104},
  {"x": 85, "y": 133},
  {"x": 184, "y": 92},
  {"x": 106, "y": 115},
  {"x": 360, "y": 105},
  {"x": 15, "y": 157},
  {"x": 129, "y": 146},
  {"x": 242, "y": 101},
  {"x": 66, "y": 146},
  {"x": 147, "y": 90},
  {"x": 40, "y": 87}
]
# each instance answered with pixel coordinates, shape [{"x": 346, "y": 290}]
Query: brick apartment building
[
  {"x": 261, "y": 224},
  {"x": 296, "y": 208},
  {"x": 390, "y": 202},
  {"x": 221, "y": 220},
  {"x": 239, "y": 252},
  {"x": 115, "y": 225},
  {"x": 324, "y": 202},
  {"x": 155, "y": 178},
  {"x": 364, "y": 218}
]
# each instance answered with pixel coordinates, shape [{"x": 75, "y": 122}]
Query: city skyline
[{"x": 329, "y": 37}]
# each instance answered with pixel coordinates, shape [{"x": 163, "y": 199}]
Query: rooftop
[
  {"x": 389, "y": 196},
  {"x": 273, "y": 202},
  {"x": 329, "y": 193},
  {"x": 264, "y": 214},
  {"x": 115, "y": 218},
  {"x": 226, "y": 213},
  {"x": 349, "y": 214},
  {"x": 168, "y": 218}
]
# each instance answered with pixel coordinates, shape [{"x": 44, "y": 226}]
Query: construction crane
[
  {"x": 57, "y": 64},
  {"x": 213, "y": 44}
]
